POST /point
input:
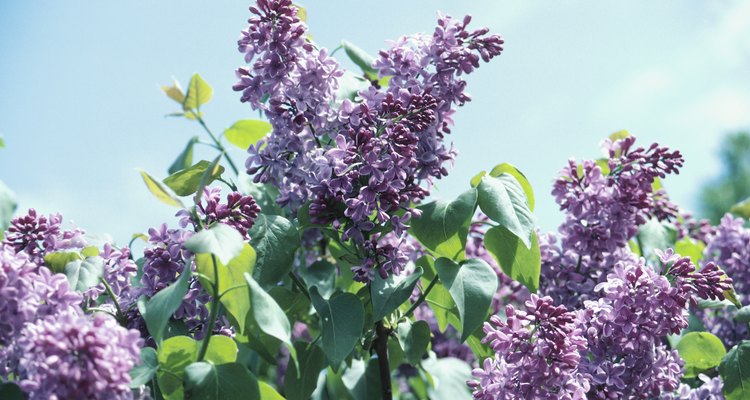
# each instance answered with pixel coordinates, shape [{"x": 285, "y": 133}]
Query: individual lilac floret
[
  {"x": 38, "y": 235},
  {"x": 537, "y": 354},
  {"x": 711, "y": 389},
  {"x": 74, "y": 356},
  {"x": 239, "y": 211}
]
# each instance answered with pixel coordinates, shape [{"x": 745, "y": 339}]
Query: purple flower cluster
[
  {"x": 239, "y": 211},
  {"x": 604, "y": 206},
  {"x": 537, "y": 354},
  {"x": 361, "y": 164},
  {"x": 729, "y": 248},
  {"x": 37, "y": 235},
  {"x": 70, "y": 356},
  {"x": 711, "y": 389}
]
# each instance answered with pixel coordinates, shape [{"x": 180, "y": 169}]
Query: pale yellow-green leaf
[
  {"x": 199, "y": 93},
  {"x": 247, "y": 132},
  {"x": 159, "y": 191},
  {"x": 174, "y": 92}
]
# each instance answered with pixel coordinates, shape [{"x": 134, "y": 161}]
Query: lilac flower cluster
[
  {"x": 75, "y": 356},
  {"x": 729, "y": 247},
  {"x": 239, "y": 211},
  {"x": 360, "y": 164},
  {"x": 37, "y": 235},
  {"x": 604, "y": 206},
  {"x": 711, "y": 389},
  {"x": 537, "y": 354}
]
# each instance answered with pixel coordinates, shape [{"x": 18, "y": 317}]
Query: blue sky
[{"x": 80, "y": 107}]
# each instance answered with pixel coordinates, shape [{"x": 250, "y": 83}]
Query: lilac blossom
[
  {"x": 537, "y": 354},
  {"x": 75, "y": 356},
  {"x": 239, "y": 211},
  {"x": 37, "y": 235},
  {"x": 710, "y": 389}
]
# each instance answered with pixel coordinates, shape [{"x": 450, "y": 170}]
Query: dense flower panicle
[
  {"x": 239, "y": 211},
  {"x": 118, "y": 271},
  {"x": 37, "y": 235},
  {"x": 708, "y": 283},
  {"x": 74, "y": 356},
  {"x": 18, "y": 300},
  {"x": 164, "y": 258},
  {"x": 696, "y": 229},
  {"x": 537, "y": 354},
  {"x": 711, "y": 389}
]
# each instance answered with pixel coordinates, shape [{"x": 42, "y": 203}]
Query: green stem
[
  {"x": 298, "y": 283},
  {"x": 218, "y": 145},
  {"x": 422, "y": 297},
  {"x": 214, "y": 313},
  {"x": 230, "y": 289},
  {"x": 120, "y": 315}
]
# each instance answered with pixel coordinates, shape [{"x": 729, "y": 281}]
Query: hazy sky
[{"x": 80, "y": 107}]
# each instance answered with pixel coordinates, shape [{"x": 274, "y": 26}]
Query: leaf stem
[
  {"x": 298, "y": 283},
  {"x": 120, "y": 315},
  {"x": 422, "y": 297},
  {"x": 381, "y": 349},
  {"x": 215, "y": 306},
  {"x": 218, "y": 144}
]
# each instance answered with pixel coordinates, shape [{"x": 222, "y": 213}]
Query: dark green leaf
[
  {"x": 443, "y": 226},
  {"x": 321, "y": 274},
  {"x": 265, "y": 195},
  {"x": 275, "y": 239},
  {"x": 185, "y": 159},
  {"x": 701, "y": 351},
  {"x": 86, "y": 273},
  {"x": 503, "y": 200},
  {"x": 414, "y": 339},
  {"x": 743, "y": 315},
  {"x": 11, "y": 391},
  {"x": 185, "y": 182},
  {"x": 269, "y": 317},
  {"x": 388, "y": 294},
  {"x": 519, "y": 262},
  {"x": 160, "y": 192},
  {"x": 363, "y": 380},
  {"x": 214, "y": 170},
  {"x": 160, "y": 308},
  {"x": 142, "y": 373},
  {"x": 342, "y": 319},
  {"x": 520, "y": 177},
  {"x": 205, "y": 381},
  {"x": 439, "y": 298},
  {"x": 247, "y": 132},
  {"x": 199, "y": 93},
  {"x": 471, "y": 285},
  {"x": 359, "y": 57},
  {"x": 299, "y": 385},
  {"x": 220, "y": 240},
  {"x": 735, "y": 372}
]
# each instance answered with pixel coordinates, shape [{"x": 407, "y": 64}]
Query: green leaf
[
  {"x": 321, "y": 274},
  {"x": 268, "y": 393},
  {"x": 414, "y": 339},
  {"x": 174, "y": 92},
  {"x": 160, "y": 192},
  {"x": 506, "y": 168},
  {"x": 701, "y": 351},
  {"x": 233, "y": 381},
  {"x": 743, "y": 315},
  {"x": 443, "y": 226},
  {"x": 11, "y": 391},
  {"x": 687, "y": 247},
  {"x": 301, "y": 13},
  {"x": 8, "y": 206},
  {"x": 199, "y": 93},
  {"x": 742, "y": 208},
  {"x": 388, "y": 294},
  {"x": 276, "y": 240},
  {"x": 2, "y": 142},
  {"x": 142, "y": 373},
  {"x": 232, "y": 276},
  {"x": 656, "y": 235},
  {"x": 185, "y": 182},
  {"x": 221, "y": 350},
  {"x": 520, "y": 263},
  {"x": 350, "y": 85},
  {"x": 212, "y": 171},
  {"x": 449, "y": 376},
  {"x": 159, "y": 309},
  {"x": 363, "y": 379},
  {"x": 439, "y": 298},
  {"x": 342, "y": 319},
  {"x": 174, "y": 354},
  {"x": 619, "y": 135},
  {"x": 299, "y": 384},
  {"x": 735, "y": 372},
  {"x": 503, "y": 200},
  {"x": 269, "y": 317},
  {"x": 86, "y": 273},
  {"x": 185, "y": 159},
  {"x": 359, "y": 57},
  {"x": 220, "y": 240},
  {"x": 471, "y": 285},
  {"x": 57, "y": 261},
  {"x": 265, "y": 195},
  {"x": 247, "y": 132}
]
